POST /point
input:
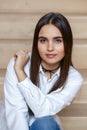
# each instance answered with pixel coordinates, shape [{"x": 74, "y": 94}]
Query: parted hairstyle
[{"x": 59, "y": 21}]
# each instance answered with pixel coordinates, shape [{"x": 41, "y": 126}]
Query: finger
[
  {"x": 26, "y": 51},
  {"x": 21, "y": 52}
]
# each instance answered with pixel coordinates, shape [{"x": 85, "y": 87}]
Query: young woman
[{"x": 38, "y": 85}]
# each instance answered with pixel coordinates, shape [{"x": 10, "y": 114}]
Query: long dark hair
[{"x": 63, "y": 25}]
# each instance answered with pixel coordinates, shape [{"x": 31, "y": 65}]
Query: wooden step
[
  {"x": 74, "y": 123},
  {"x": 79, "y": 55},
  {"x": 74, "y": 117},
  {"x": 21, "y": 26},
  {"x": 75, "y": 110},
  {"x": 79, "y": 6}
]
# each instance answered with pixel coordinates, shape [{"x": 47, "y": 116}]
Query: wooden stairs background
[{"x": 17, "y": 22}]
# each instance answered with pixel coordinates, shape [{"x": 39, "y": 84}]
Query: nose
[{"x": 50, "y": 46}]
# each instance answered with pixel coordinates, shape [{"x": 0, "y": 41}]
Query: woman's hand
[{"x": 21, "y": 59}]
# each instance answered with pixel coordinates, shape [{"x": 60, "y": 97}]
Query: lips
[{"x": 50, "y": 55}]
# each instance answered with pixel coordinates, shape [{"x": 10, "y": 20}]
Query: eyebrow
[
  {"x": 53, "y": 37},
  {"x": 42, "y": 37},
  {"x": 58, "y": 37}
]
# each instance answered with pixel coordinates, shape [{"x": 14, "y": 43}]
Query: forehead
[{"x": 49, "y": 30}]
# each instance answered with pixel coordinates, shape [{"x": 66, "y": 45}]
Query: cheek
[
  {"x": 40, "y": 49},
  {"x": 61, "y": 54},
  {"x": 61, "y": 50}
]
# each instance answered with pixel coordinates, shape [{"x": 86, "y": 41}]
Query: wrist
[
  {"x": 21, "y": 75},
  {"x": 18, "y": 70}
]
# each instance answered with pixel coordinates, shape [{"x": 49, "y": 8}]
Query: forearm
[{"x": 53, "y": 102}]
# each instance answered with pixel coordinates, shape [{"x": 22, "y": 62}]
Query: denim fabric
[{"x": 45, "y": 123}]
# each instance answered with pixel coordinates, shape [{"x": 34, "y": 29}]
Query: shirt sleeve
[
  {"x": 15, "y": 106},
  {"x": 49, "y": 104}
]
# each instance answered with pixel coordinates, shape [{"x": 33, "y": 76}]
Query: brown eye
[
  {"x": 42, "y": 40},
  {"x": 58, "y": 40}
]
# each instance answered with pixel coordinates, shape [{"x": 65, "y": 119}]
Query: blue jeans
[{"x": 45, "y": 123}]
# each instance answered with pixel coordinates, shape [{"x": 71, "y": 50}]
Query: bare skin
[{"x": 21, "y": 59}]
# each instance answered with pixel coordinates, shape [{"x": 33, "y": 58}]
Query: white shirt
[{"x": 18, "y": 96}]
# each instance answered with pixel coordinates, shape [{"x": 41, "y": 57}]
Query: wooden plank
[
  {"x": 79, "y": 55},
  {"x": 68, "y": 6},
  {"x": 82, "y": 94},
  {"x": 74, "y": 123},
  {"x": 74, "y": 110},
  {"x": 16, "y": 30},
  {"x": 8, "y": 49},
  {"x": 78, "y": 25}
]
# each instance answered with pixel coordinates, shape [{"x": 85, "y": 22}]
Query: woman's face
[{"x": 50, "y": 46}]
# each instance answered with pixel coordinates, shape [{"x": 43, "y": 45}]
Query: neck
[
  {"x": 49, "y": 70},
  {"x": 49, "y": 66}
]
